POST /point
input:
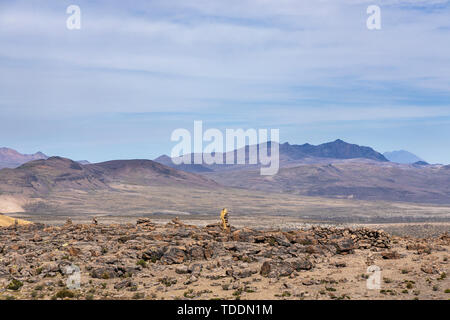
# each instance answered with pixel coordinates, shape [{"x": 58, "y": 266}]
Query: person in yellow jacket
[{"x": 224, "y": 218}]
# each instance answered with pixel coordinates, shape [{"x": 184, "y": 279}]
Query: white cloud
[{"x": 167, "y": 55}]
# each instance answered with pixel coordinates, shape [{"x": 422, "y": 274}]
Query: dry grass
[{"x": 6, "y": 221}]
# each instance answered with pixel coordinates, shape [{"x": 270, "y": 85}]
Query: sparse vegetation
[
  {"x": 138, "y": 296},
  {"x": 142, "y": 263},
  {"x": 387, "y": 280},
  {"x": 65, "y": 293},
  {"x": 105, "y": 276},
  {"x": 15, "y": 285},
  {"x": 189, "y": 294},
  {"x": 166, "y": 281},
  {"x": 237, "y": 294}
]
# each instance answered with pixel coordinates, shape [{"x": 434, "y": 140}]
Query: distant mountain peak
[
  {"x": 163, "y": 157},
  {"x": 290, "y": 153},
  {"x": 10, "y": 158},
  {"x": 338, "y": 149},
  {"x": 194, "y": 168},
  {"x": 402, "y": 156}
]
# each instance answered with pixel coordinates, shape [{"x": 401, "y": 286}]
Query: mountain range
[
  {"x": 337, "y": 150},
  {"x": 10, "y": 158},
  {"x": 334, "y": 170},
  {"x": 289, "y": 155}
]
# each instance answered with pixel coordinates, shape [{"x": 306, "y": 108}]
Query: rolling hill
[
  {"x": 41, "y": 177},
  {"x": 146, "y": 172},
  {"x": 356, "y": 179}
]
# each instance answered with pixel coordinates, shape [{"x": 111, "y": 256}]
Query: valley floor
[{"x": 127, "y": 202}]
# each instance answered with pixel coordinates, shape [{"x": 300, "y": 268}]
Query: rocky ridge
[{"x": 180, "y": 261}]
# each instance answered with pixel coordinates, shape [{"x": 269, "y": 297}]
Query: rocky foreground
[{"x": 179, "y": 261}]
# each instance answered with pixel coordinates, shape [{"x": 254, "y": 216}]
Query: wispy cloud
[{"x": 289, "y": 61}]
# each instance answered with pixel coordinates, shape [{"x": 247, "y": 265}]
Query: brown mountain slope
[
  {"x": 366, "y": 180},
  {"x": 40, "y": 177},
  {"x": 147, "y": 172}
]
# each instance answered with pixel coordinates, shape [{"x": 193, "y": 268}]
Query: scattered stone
[
  {"x": 173, "y": 255},
  {"x": 103, "y": 273},
  {"x": 429, "y": 269},
  {"x": 390, "y": 255},
  {"x": 127, "y": 283},
  {"x": 344, "y": 245},
  {"x": 118, "y": 261},
  {"x": 182, "y": 269},
  {"x": 275, "y": 269}
]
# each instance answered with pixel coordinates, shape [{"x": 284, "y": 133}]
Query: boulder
[
  {"x": 390, "y": 255},
  {"x": 244, "y": 235},
  {"x": 197, "y": 253},
  {"x": 344, "y": 245},
  {"x": 182, "y": 269},
  {"x": 301, "y": 264},
  {"x": 275, "y": 269},
  {"x": 173, "y": 255},
  {"x": 103, "y": 272},
  {"x": 127, "y": 283},
  {"x": 153, "y": 254}
]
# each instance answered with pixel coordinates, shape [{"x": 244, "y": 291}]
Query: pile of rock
[{"x": 35, "y": 253}]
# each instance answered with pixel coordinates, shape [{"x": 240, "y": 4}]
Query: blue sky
[{"x": 137, "y": 70}]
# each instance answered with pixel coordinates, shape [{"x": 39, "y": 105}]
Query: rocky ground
[{"x": 178, "y": 261}]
